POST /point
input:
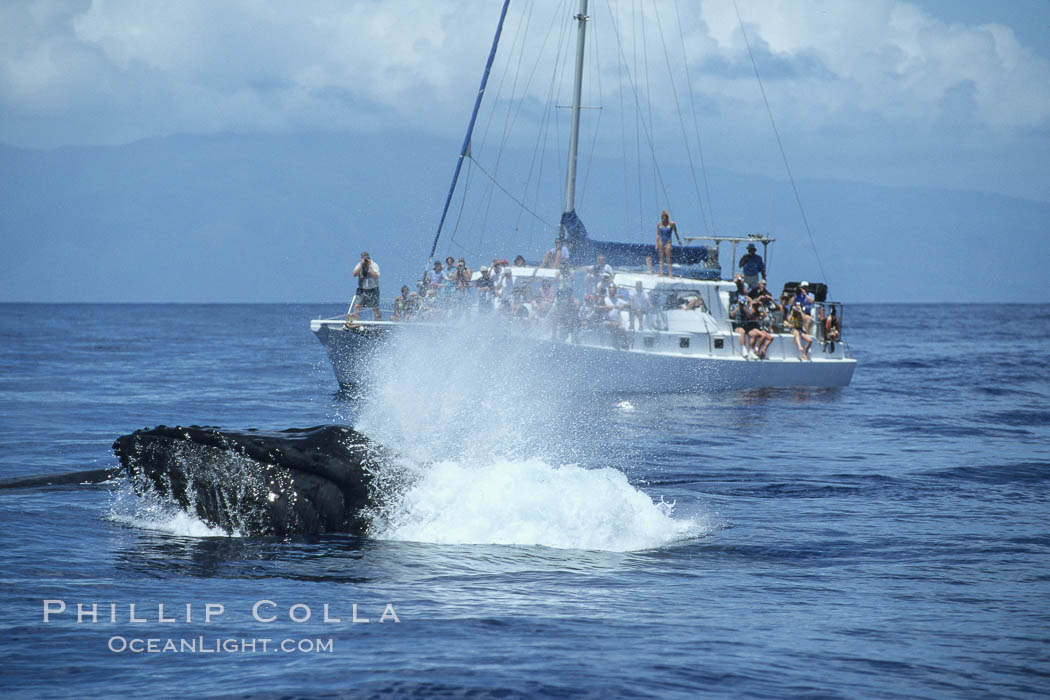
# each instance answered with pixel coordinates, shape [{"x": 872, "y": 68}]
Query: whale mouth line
[{"x": 298, "y": 481}]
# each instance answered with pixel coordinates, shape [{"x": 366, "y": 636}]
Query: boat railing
[{"x": 750, "y": 238}]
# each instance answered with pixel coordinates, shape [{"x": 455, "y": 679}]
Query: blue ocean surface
[{"x": 888, "y": 539}]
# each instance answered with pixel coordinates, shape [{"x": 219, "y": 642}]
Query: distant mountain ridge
[{"x": 261, "y": 218}]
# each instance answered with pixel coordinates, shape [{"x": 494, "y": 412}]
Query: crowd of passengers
[
  {"x": 506, "y": 288},
  {"x": 757, "y": 314}
]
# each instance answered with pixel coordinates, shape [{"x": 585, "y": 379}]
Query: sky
[
  {"x": 951, "y": 93},
  {"x": 948, "y": 95}
]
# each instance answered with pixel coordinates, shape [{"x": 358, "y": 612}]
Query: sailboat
[{"x": 680, "y": 333}]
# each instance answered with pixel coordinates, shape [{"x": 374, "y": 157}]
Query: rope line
[
  {"x": 780, "y": 145},
  {"x": 514, "y": 199},
  {"x": 681, "y": 121},
  {"x": 696, "y": 124}
]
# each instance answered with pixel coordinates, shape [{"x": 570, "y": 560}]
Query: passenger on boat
[
  {"x": 461, "y": 282},
  {"x": 832, "y": 331},
  {"x": 450, "y": 272},
  {"x": 566, "y": 313},
  {"x": 402, "y": 305},
  {"x": 519, "y": 309},
  {"x": 519, "y": 261},
  {"x": 612, "y": 305},
  {"x": 590, "y": 282},
  {"x": 595, "y": 273},
  {"x": 752, "y": 267},
  {"x": 563, "y": 281},
  {"x": 745, "y": 323},
  {"x": 505, "y": 290},
  {"x": 693, "y": 304},
  {"x": 496, "y": 270},
  {"x": 435, "y": 285},
  {"x": 804, "y": 299},
  {"x": 760, "y": 294},
  {"x": 553, "y": 257},
  {"x": 763, "y": 333},
  {"x": 738, "y": 305},
  {"x": 739, "y": 296},
  {"x": 486, "y": 290},
  {"x": 416, "y": 306},
  {"x": 779, "y": 312},
  {"x": 367, "y": 274},
  {"x": 435, "y": 279},
  {"x": 640, "y": 305},
  {"x": 664, "y": 229},
  {"x": 544, "y": 299},
  {"x": 798, "y": 322}
]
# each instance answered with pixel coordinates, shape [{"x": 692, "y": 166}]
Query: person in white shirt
[
  {"x": 367, "y": 274},
  {"x": 612, "y": 306},
  {"x": 639, "y": 304}
]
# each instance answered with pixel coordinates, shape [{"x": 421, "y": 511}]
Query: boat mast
[
  {"x": 574, "y": 136},
  {"x": 470, "y": 128}
]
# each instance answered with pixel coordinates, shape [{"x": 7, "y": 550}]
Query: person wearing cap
[
  {"x": 752, "y": 267},
  {"x": 739, "y": 295},
  {"x": 595, "y": 275},
  {"x": 803, "y": 298},
  {"x": 367, "y": 274}
]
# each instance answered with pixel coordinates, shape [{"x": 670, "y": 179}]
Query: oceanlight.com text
[{"x": 218, "y": 645}]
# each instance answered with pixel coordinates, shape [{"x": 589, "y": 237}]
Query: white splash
[
  {"x": 484, "y": 438},
  {"x": 527, "y": 502},
  {"x": 150, "y": 512}
]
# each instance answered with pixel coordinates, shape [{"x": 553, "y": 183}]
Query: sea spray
[
  {"x": 528, "y": 502},
  {"x": 490, "y": 439},
  {"x": 150, "y": 511},
  {"x": 474, "y": 388}
]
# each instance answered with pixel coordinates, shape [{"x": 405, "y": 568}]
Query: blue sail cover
[{"x": 584, "y": 250}]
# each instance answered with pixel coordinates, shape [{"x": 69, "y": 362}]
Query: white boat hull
[{"x": 660, "y": 364}]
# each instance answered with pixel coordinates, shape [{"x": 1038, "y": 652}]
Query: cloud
[
  {"x": 105, "y": 71},
  {"x": 894, "y": 59}
]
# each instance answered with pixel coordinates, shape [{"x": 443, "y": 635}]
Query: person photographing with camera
[{"x": 367, "y": 274}]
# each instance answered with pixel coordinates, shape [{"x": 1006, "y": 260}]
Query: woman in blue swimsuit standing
[{"x": 664, "y": 229}]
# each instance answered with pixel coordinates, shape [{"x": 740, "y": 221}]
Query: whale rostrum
[{"x": 310, "y": 480}]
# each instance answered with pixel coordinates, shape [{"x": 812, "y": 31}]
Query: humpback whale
[{"x": 297, "y": 481}]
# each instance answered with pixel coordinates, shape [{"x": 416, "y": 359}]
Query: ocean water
[{"x": 888, "y": 539}]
